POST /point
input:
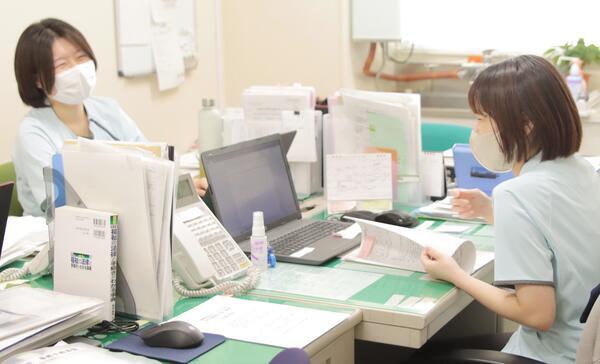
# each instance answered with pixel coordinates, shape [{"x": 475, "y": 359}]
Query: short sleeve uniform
[
  {"x": 547, "y": 232},
  {"x": 41, "y": 134}
]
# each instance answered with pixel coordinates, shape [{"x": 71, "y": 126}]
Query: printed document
[
  {"x": 398, "y": 247},
  {"x": 352, "y": 177},
  {"x": 24, "y": 308},
  {"x": 261, "y": 322}
]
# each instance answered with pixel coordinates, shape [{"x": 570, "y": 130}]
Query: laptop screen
[{"x": 247, "y": 177}]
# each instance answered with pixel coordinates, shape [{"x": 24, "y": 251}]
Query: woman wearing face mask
[
  {"x": 545, "y": 218},
  {"x": 55, "y": 69}
]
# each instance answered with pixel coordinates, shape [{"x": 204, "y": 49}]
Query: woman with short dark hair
[
  {"x": 55, "y": 69},
  {"x": 545, "y": 218}
]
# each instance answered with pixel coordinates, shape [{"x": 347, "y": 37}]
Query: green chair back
[
  {"x": 7, "y": 174},
  {"x": 439, "y": 137}
]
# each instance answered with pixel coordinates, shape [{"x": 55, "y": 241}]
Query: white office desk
[{"x": 395, "y": 326}]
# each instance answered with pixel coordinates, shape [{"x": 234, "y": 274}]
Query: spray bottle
[{"x": 258, "y": 242}]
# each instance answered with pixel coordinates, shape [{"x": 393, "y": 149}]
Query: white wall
[
  {"x": 274, "y": 42},
  {"x": 162, "y": 116}
]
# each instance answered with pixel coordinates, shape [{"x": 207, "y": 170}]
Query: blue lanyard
[{"x": 106, "y": 130}]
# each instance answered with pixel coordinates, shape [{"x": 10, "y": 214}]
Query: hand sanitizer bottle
[
  {"x": 258, "y": 242},
  {"x": 575, "y": 81}
]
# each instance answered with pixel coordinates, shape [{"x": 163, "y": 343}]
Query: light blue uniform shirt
[
  {"x": 547, "y": 232},
  {"x": 41, "y": 135}
]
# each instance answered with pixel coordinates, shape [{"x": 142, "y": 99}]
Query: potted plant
[{"x": 587, "y": 53}]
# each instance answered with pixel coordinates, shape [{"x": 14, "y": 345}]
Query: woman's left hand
[
  {"x": 201, "y": 185},
  {"x": 440, "y": 265}
]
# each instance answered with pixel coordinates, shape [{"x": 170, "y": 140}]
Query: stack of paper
[
  {"x": 31, "y": 318},
  {"x": 398, "y": 247},
  {"x": 138, "y": 185},
  {"x": 24, "y": 236},
  {"x": 443, "y": 210},
  {"x": 77, "y": 353},
  {"x": 362, "y": 121},
  {"x": 269, "y": 110}
]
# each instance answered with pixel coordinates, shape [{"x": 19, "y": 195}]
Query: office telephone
[{"x": 204, "y": 254}]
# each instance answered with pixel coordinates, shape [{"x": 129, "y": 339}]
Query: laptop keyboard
[{"x": 306, "y": 235}]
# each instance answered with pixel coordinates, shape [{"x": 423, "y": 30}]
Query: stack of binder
[
  {"x": 136, "y": 181},
  {"x": 32, "y": 317}
]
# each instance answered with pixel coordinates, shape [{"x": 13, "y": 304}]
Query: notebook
[
  {"x": 5, "y": 195},
  {"x": 255, "y": 176}
]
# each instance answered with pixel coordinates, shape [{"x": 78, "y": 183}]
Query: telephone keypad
[{"x": 223, "y": 253}]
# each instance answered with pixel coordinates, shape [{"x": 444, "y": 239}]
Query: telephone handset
[{"x": 204, "y": 253}]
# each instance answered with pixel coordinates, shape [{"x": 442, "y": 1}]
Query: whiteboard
[{"x": 134, "y": 21}]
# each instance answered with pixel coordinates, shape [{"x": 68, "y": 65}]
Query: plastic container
[
  {"x": 575, "y": 82},
  {"x": 258, "y": 242}
]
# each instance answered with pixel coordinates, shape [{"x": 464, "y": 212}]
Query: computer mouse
[
  {"x": 398, "y": 218},
  {"x": 173, "y": 334},
  {"x": 359, "y": 214}
]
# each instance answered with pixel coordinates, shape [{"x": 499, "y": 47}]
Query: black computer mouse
[
  {"x": 397, "y": 218},
  {"x": 173, "y": 334}
]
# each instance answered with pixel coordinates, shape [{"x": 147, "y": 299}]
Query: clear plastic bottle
[
  {"x": 575, "y": 82},
  {"x": 258, "y": 242}
]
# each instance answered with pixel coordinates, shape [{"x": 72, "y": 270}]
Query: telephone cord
[
  {"x": 11, "y": 274},
  {"x": 228, "y": 287}
]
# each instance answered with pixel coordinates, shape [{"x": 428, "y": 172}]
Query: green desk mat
[
  {"x": 231, "y": 351},
  {"x": 375, "y": 295},
  {"x": 393, "y": 281}
]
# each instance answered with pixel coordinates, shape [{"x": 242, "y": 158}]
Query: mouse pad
[{"x": 134, "y": 345}]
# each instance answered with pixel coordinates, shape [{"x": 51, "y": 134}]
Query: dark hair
[
  {"x": 531, "y": 106},
  {"x": 34, "y": 61}
]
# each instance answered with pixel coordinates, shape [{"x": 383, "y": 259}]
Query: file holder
[{"x": 471, "y": 174}]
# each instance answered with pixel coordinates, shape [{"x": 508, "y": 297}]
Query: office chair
[
  {"x": 291, "y": 356},
  {"x": 588, "y": 350},
  {"x": 7, "y": 173},
  {"x": 439, "y": 137}
]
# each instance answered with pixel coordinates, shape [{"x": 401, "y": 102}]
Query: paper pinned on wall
[
  {"x": 163, "y": 11},
  {"x": 168, "y": 58},
  {"x": 304, "y": 146},
  {"x": 138, "y": 30}
]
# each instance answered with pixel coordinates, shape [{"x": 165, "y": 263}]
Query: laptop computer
[
  {"x": 5, "y": 195},
  {"x": 286, "y": 141},
  {"x": 255, "y": 176}
]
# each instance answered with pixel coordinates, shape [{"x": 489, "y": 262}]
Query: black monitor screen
[{"x": 253, "y": 178}]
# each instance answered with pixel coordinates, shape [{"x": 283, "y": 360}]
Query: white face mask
[
  {"x": 75, "y": 84},
  {"x": 487, "y": 151}
]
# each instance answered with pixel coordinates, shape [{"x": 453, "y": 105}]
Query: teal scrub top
[
  {"x": 41, "y": 135},
  {"x": 547, "y": 232}
]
